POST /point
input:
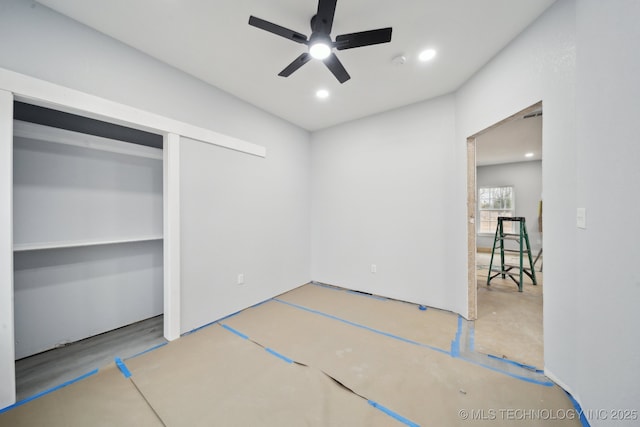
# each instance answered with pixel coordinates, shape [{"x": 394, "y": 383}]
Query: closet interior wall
[{"x": 88, "y": 249}]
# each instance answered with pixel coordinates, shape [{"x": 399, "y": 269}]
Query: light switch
[{"x": 581, "y": 218}]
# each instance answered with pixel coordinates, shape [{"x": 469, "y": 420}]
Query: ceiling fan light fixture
[{"x": 320, "y": 50}]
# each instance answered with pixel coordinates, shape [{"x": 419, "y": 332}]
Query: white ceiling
[
  {"x": 211, "y": 40},
  {"x": 510, "y": 141}
]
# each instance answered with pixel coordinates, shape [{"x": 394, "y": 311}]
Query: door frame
[{"x": 472, "y": 190}]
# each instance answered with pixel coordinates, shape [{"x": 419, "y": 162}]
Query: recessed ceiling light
[
  {"x": 322, "y": 93},
  {"x": 529, "y": 155},
  {"x": 427, "y": 55}
]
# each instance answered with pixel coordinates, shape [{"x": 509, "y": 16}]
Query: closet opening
[{"x": 88, "y": 244}]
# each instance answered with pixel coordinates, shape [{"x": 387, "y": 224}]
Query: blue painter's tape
[
  {"x": 260, "y": 303},
  {"x": 393, "y": 414},
  {"x": 455, "y": 344},
  {"x": 155, "y": 347},
  {"x": 327, "y": 286},
  {"x": 228, "y": 316},
  {"x": 512, "y": 375},
  {"x": 240, "y": 311},
  {"x": 348, "y": 322},
  {"x": 238, "y": 333},
  {"x": 513, "y": 362},
  {"x": 123, "y": 368},
  {"x": 42, "y": 393},
  {"x": 472, "y": 338},
  {"x": 578, "y": 408},
  {"x": 422, "y": 307},
  {"x": 202, "y": 327},
  {"x": 278, "y": 355},
  {"x": 456, "y": 341}
]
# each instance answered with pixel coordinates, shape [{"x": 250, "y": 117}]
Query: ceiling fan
[{"x": 320, "y": 43}]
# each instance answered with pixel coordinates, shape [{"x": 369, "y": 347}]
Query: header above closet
[{"x": 59, "y": 119}]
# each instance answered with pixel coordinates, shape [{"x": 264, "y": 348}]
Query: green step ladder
[{"x": 522, "y": 238}]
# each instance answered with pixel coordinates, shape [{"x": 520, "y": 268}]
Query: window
[{"x": 492, "y": 203}]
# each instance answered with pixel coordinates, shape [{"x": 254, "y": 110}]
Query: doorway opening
[{"x": 504, "y": 179}]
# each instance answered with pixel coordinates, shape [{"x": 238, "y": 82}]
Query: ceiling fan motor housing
[{"x": 319, "y": 25}]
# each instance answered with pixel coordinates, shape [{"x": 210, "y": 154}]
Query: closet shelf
[
  {"x": 23, "y": 247},
  {"x": 77, "y": 139}
]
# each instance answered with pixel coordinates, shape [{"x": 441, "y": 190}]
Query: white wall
[
  {"x": 241, "y": 215},
  {"x": 590, "y": 160},
  {"x": 38, "y": 42},
  {"x": 380, "y": 195},
  {"x": 607, "y": 183},
  {"x": 540, "y": 65},
  {"x": 526, "y": 179}
]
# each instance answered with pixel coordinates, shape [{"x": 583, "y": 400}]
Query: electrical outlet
[
  {"x": 241, "y": 279},
  {"x": 374, "y": 268}
]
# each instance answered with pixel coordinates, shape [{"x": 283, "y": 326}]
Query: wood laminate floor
[{"x": 49, "y": 369}]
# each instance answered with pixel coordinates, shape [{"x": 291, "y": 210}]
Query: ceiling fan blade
[
  {"x": 324, "y": 17},
  {"x": 335, "y": 66},
  {"x": 363, "y": 38},
  {"x": 278, "y": 30},
  {"x": 297, "y": 63}
]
